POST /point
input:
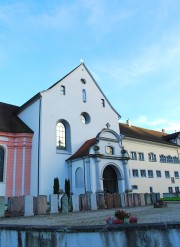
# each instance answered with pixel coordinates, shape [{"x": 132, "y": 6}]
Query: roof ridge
[{"x": 144, "y": 128}]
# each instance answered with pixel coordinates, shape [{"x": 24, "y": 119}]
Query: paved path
[{"x": 147, "y": 214}]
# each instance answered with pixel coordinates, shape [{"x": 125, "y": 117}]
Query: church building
[{"x": 69, "y": 131}]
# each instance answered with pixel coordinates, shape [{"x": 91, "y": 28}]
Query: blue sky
[{"x": 132, "y": 47}]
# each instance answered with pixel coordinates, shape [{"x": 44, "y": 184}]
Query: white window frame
[{"x": 135, "y": 171}]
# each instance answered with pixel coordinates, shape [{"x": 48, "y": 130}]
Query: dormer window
[
  {"x": 162, "y": 158},
  {"x": 109, "y": 150}
]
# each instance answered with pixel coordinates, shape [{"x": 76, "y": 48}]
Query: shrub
[
  {"x": 56, "y": 186},
  {"x": 67, "y": 188}
]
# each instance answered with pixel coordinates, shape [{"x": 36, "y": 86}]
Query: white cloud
[
  {"x": 157, "y": 124},
  {"x": 103, "y": 16},
  {"x": 161, "y": 58}
]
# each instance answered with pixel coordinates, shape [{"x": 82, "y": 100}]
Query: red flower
[{"x": 118, "y": 222}]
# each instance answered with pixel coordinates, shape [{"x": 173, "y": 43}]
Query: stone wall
[
  {"x": 137, "y": 235},
  {"x": 29, "y": 205}
]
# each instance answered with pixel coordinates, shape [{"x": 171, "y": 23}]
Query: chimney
[
  {"x": 163, "y": 130},
  {"x": 128, "y": 123}
]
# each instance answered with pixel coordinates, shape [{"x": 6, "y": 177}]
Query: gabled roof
[
  {"x": 83, "y": 150},
  {"x": 38, "y": 95},
  {"x": 172, "y": 136},
  {"x": 9, "y": 122},
  {"x": 144, "y": 134}
]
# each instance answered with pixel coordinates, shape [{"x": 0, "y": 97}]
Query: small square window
[
  {"x": 141, "y": 156},
  {"x": 176, "y": 175},
  {"x": 170, "y": 189},
  {"x": 133, "y": 155},
  {"x": 169, "y": 159},
  {"x": 152, "y": 157},
  {"x": 151, "y": 189},
  {"x": 162, "y": 158},
  {"x": 158, "y": 174},
  {"x": 150, "y": 173},
  {"x": 177, "y": 189},
  {"x": 134, "y": 187},
  {"x": 135, "y": 173},
  {"x": 175, "y": 160},
  {"x": 143, "y": 173},
  {"x": 167, "y": 174}
]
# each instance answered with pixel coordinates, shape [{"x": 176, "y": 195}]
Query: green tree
[
  {"x": 56, "y": 186},
  {"x": 67, "y": 188}
]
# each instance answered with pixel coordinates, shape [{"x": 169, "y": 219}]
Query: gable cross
[{"x": 108, "y": 125}]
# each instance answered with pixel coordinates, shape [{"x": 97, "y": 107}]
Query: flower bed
[{"x": 121, "y": 217}]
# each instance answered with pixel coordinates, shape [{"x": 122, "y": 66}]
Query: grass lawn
[{"x": 170, "y": 199}]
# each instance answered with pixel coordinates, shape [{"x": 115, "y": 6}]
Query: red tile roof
[
  {"x": 83, "y": 150},
  {"x": 145, "y": 134}
]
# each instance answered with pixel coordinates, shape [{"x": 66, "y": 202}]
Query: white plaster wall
[
  {"x": 69, "y": 107},
  {"x": 159, "y": 184},
  {"x": 75, "y": 166},
  {"x": 30, "y": 116}
]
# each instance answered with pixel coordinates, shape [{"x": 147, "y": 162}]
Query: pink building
[{"x": 15, "y": 153}]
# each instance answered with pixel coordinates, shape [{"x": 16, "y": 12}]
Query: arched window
[
  {"x": 79, "y": 178},
  {"x": 102, "y": 102},
  {"x": 63, "y": 92},
  {"x": 84, "y": 95},
  {"x": 1, "y": 164},
  {"x": 85, "y": 118},
  {"x": 63, "y": 136},
  {"x": 60, "y": 136}
]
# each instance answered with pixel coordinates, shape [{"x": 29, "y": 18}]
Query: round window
[{"x": 85, "y": 118}]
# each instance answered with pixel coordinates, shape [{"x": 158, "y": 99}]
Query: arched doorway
[{"x": 110, "y": 181}]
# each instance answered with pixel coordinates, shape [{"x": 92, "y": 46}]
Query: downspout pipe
[
  {"x": 84, "y": 166},
  {"x": 178, "y": 155},
  {"x": 39, "y": 137}
]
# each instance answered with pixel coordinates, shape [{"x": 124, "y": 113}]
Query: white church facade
[
  {"x": 71, "y": 115},
  {"x": 69, "y": 131}
]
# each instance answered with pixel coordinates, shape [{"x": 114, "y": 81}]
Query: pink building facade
[{"x": 15, "y": 163}]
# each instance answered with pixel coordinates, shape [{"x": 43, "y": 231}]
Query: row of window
[
  {"x": 84, "y": 95},
  {"x": 150, "y": 174},
  {"x": 152, "y": 157},
  {"x": 170, "y": 189}
]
